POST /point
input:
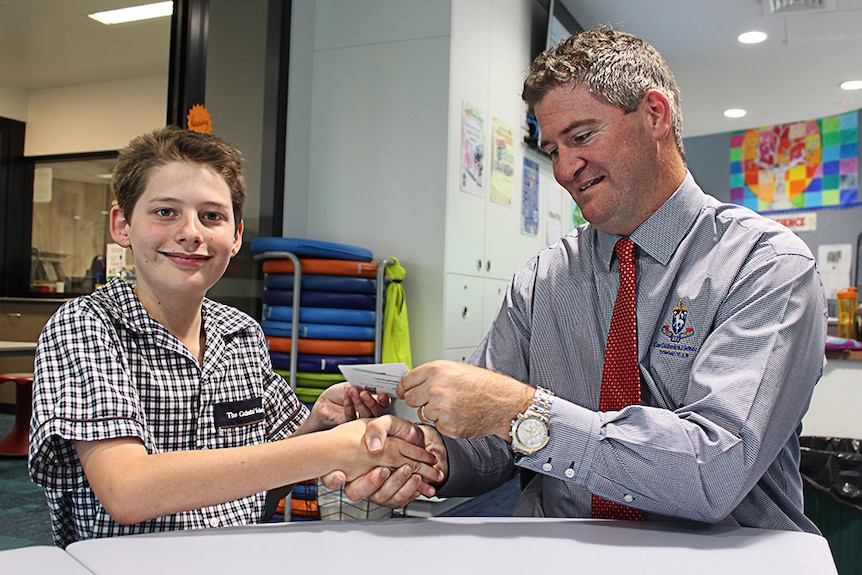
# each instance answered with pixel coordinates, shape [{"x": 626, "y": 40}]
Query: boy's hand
[
  {"x": 342, "y": 402},
  {"x": 400, "y": 448}
]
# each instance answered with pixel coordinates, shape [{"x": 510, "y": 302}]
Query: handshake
[{"x": 391, "y": 461}]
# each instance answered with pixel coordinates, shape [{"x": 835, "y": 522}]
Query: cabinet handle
[
  {"x": 478, "y": 265},
  {"x": 464, "y": 312},
  {"x": 488, "y": 266},
  {"x": 13, "y": 315}
]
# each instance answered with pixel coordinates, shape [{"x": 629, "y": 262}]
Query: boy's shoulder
[{"x": 229, "y": 318}]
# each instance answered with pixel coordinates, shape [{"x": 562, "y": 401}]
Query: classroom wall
[
  {"x": 709, "y": 161},
  {"x": 89, "y": 117}
]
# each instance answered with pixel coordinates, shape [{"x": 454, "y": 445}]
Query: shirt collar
[
  {"x": 120, "y": 297},
  {"x": 663, "y": 231}
]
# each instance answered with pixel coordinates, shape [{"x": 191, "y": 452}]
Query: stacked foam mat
[{"x": 337, "y": 324}]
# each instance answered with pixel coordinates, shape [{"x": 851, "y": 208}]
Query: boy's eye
[
  {"x": 164, "y": 212},
  {"x": 212, "y": 216}
]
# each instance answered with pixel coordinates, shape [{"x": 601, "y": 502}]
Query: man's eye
[{"x": 581, "y": 138}]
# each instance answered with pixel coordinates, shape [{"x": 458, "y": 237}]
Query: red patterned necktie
[{"x": 621, "y": 378}]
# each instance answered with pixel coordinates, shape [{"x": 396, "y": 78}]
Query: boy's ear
[
  {"x": 237, "y": 240},
  {"x": 119, "y": 227}
]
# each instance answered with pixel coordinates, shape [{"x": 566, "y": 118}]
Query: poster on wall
[
  {"x": 530, "y": 199},
  {"x": 564, "y": 214},
  {"x": 503, "y": 163},
  {"x": 472, "y": 149},
  {"x": 834, "y": 263},
  {"x": 797, "y": 166}
]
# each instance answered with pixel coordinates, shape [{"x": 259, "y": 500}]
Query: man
[{"x": 730, "y": 326}]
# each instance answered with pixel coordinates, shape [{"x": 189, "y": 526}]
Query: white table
[
  {"x": 449, "y": 546},
  {"x": 40, "y": 559},
  {"x": 12, "y": 348}
]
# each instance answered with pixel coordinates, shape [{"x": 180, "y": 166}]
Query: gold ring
[{"x": 421, "y": 414}]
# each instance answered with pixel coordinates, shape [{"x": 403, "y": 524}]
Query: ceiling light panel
[{"x": 134, "y": 13}]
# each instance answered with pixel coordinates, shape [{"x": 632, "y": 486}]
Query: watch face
[{"x": 532, "y": 433}]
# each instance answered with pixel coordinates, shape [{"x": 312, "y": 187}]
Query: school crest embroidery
[{"x": 677, "y": 329}]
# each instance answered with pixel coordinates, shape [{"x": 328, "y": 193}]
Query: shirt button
[
  {"x": 547, "y": 466},
  {"x": 628, "y": 498},
  {"x": 214, "y": 522},
  {"x": 570, "y": 472}
]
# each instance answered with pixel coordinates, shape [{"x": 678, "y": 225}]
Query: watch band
[{"x": 541, "y": 405}]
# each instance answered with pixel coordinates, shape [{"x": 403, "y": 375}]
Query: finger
[
  {"x": 399, "y": 490},
  {"x": 334, "y": 480},
  {"x": 413, "y": 452},
  {"x": 411, "y": 380},
  {"x": 366, "y": 485},
  {"x": 426, "y": 489},
  {"x": 370, "y": 405},
  {"x": 428, "y": 473},
  {"x": 409, "y": 492},
  {"x": 351, "y": 397},
  {"x": 375, "y": 434}
]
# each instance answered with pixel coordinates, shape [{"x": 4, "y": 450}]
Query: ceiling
[
  {"x": 48, "y": 44},
  {"x": 51, "y": 43},
  {"x": 792, "y": 76}
]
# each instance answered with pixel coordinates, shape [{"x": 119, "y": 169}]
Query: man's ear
[
  {"x": 237, "y": 240},
  {"x": 120, "y": 227},
  {"x": 658, "y": 112}
]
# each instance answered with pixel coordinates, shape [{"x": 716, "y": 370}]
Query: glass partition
[{"x": 70, "y": 243}]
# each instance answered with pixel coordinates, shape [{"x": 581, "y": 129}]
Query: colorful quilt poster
[{"x": 795, "y": 166}]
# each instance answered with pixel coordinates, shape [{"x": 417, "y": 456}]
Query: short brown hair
[
  {"x": 616, "y": 67},
  {"x": 148, "y": 152}
]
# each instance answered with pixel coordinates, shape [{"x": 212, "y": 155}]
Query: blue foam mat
[
  {"x": 312, "y": 298},
  {"x": 311, "y": 248},
  {"x": 321, "y": 282},
  {"x": 339, "y": 316},
  {"x": 313, "y": 362},
  {"x": 318, "y": 330}
]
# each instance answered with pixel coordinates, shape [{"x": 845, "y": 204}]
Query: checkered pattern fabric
[{"x": 106, "y": 369}]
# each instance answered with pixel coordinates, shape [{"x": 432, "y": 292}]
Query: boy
[{"x": 158, "y": 409}]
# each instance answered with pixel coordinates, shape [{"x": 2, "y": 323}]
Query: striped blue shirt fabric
[
  {"x": 105, "y": 369},
  {"x": 731, "y": 337}
]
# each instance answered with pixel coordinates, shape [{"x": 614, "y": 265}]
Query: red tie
[{"x": 621, "y": 379}]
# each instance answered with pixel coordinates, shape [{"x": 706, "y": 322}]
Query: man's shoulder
[{"x": 768, "y": 231}]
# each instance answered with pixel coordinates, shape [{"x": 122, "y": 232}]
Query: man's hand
[
  {"x": 463, "y": 400},
  {"x": 342, "y": 402},
  {"x": 399, "y": 487},
  {"x": 403, "y": 446}
]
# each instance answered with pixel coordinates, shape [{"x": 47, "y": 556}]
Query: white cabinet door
[
  {"x": 494, "y": 291},
  {"x": 461, "y": 354},
  {"x": 462, "y": 318}
]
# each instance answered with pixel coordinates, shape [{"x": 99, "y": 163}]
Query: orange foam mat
[
  {"x": 320, "y": 266},
  {"x": 322, "y": 346}
]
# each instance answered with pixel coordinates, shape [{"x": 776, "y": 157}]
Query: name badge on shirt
[{"x": 236, "y": 413}]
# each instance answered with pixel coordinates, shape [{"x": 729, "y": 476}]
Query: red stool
[{"x": 17, "y": 441}]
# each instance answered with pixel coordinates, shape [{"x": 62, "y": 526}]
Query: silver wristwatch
[{"x": 530, "y": 430}]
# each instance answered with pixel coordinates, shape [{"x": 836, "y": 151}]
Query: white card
[{"x": 375, "y": 377}]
